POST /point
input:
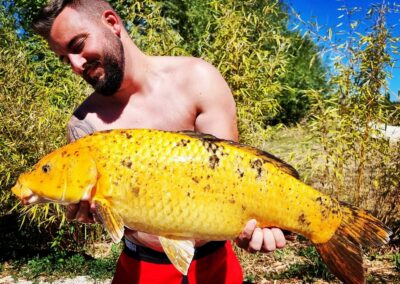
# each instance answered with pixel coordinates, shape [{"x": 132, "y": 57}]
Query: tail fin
[{"x": 342, "y": 253}]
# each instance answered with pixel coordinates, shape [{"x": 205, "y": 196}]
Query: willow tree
[
  {"x": 37, "y": 95},
  {"x": 358, "y": 163}
]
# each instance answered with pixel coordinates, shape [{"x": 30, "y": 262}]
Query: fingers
[
  {"x": 279, "y": 237},
  {"x": 71, "y": 210},
  {"x": 93, "y": 212},
  {"x": 244, "y": 238},
  {"x": 268, "y": 240},
  {"x": 255, "y": 239},
  {"x": 80, "y": 212}
]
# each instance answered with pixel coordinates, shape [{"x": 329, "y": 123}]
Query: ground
[{"x": 297, "y": 263}]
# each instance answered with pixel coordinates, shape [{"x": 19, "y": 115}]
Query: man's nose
[{"x": 77, "y": 62}]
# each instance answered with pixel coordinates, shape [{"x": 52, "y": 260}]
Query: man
[{"x": 133, "y": 90}]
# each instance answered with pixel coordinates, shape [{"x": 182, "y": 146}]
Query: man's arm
[
  {"x": 77, "y": 128},
  {"x": 216, "y": 109},
  {"x": 217, "y": 116}
]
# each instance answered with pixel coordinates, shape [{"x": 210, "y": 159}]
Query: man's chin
[
  {"x": 105, "y": 85},
  {"x": 105, "y": 90}
]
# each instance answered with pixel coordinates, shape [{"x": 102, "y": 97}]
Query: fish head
[{"x": 65, "y": 176}]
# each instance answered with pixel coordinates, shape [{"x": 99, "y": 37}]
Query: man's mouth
[{"x": 92, "y": 72}]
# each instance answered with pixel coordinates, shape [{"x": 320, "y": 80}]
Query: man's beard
[{"x": 113, "y": 65}]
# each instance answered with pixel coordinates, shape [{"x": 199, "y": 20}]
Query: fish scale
[
  {"x": 155, "y": 170},
  {"x": 186, "y": 185}
]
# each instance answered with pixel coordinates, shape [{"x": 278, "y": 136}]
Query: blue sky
[{"x": 326, "y": 13}]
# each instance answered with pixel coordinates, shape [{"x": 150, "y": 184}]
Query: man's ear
[{"x": 112, "y": 21}]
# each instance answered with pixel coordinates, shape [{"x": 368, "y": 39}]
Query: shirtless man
[{"x": 133, "y": 90}]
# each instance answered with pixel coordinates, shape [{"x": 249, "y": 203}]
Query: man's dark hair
[{"x": 43, "y": 22}]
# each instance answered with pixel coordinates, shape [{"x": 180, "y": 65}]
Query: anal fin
[
  {"x": 179, "y": 252},
  {"x": 110, "y": 220}
]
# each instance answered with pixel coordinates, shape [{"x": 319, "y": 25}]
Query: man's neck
[{"x": 136, "y": 72}]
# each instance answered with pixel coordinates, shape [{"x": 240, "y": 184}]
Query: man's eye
[{"x": 78, "y": 47}]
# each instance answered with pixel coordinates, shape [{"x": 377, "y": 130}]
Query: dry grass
[
  {"x": 288, "y": 266},
  {"x": 296, "y": 146}
]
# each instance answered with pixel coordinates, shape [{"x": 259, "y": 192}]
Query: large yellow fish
[{"x": 185, "y": 185}]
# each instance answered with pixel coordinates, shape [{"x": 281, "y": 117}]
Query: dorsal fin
[
  {"x": 269, "y": 158},
  {"x": 265, "y": 156},
  {"x": 201, "y": 136}
]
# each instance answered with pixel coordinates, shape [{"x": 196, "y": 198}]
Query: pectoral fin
[
  {"x": 111, "y": 220},
  {"x": 179, "y": 252}
]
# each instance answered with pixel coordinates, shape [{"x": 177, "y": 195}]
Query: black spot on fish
[
  {"x": 63, "y": 153},
  {"x": 303, "y": 220},
  {"x": 135, "y": 191},
  {"x": 207, "y": 187},
  {"x": 183, "y": 142},
  {"x": 115, "y": 183},
  {"x": 196, "y": 179},
  {"x": 127, "y": 163},
  {"x": 244, "y": 208},
  {"x": 128, "y": 135},
  {"x": 213, "y": 161},
  {"x": 319, "y": 200},
  {"x": 257, "y": 166},
  {"x": 240, "y": 172},
  {"x": 213, "y": 148}
]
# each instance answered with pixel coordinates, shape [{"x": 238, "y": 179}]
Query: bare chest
[{"x": 163, "y": 111}]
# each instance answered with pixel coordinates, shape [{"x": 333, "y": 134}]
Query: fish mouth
[{"x": 25, "y": 194}]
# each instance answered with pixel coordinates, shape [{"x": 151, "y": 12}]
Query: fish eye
[{"x": 46, "y": 169}]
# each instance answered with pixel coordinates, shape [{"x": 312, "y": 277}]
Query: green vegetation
[
  {"x": 58, "y": 264},
  {"x": 357, "y": 164},
  {"x": 320, "y": 119},
  {"x": 396, "y": 259},
  {"x": 309, "y": 269}
]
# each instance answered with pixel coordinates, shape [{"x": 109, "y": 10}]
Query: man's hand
[
  {"x": 254, "y": 239},
  {"x": 82, "y": 212}
]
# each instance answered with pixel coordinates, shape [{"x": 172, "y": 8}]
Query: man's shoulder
[
  {"x": 194, "y": 66},
  {"x": 185, "y": 65},
  {"x": 195, "y": 73}
]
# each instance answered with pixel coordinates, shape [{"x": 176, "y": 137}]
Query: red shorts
[{"x": 215, "y": 262}]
